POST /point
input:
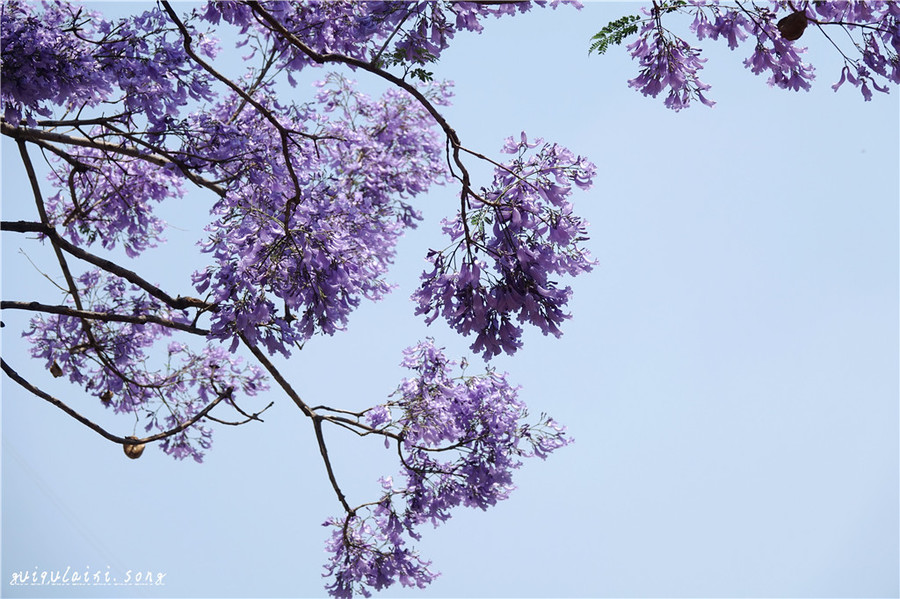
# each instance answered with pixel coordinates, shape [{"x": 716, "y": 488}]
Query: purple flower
[
  {"x": 371, "y": 554},
  {"x": 460, "y": 439},
  {"x": 113, "y": 361},
  {"x": 668, "y": 62},
  {"x": 293, "y": 256},
  {"x": 42, "y": 63},
  {"x": 505, "y": 250},
  {"x": 115, "y": 205}
]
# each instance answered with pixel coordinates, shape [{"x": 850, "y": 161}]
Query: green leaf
[
  {"x": 614, "y": 33},
  {"x": 422, "y": 75}
]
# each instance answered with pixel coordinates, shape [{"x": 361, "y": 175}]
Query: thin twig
[{"x": 249, "y": 417}]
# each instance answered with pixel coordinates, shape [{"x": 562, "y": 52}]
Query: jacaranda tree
[{"x": 307, "y": 199}]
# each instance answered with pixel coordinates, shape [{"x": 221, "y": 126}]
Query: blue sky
[{"x": 730, "y": 374}]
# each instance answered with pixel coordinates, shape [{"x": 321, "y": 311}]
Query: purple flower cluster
[
  {"x": 298, "y": 242},
  {"x": 879, "y": 45},
  {"x": 145, "y": 58},
  {"x": 667, "y": 61},
  {"x": 433, "y": 24},
  {"x": 110, "y": 200},
  {"x": 505, "y": 249},
  {"x": 371, "y": 552},
  {"x": 110, "y": 360},
  {"x": 43, "y": 63},
  {"x": 414, "y": 32},
  {"x": 460, "y": 439},
  {"x": 774, "y": 53},
  {"x": 70, "y": 57}
]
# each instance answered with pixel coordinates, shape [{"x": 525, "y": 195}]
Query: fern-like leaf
[{"x": 614, "y": 33}]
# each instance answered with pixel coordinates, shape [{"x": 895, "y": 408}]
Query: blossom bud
[
  {"x": 133, "y": 451},
  {"x": 793, "y": 25}
]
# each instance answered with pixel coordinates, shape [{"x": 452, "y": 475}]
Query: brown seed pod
[
  {"x": 107, "y": 396},
  {"x": 793, "y": 25},
  {"x": 55, "y": 370},
  {"x": 133, "y": 451}
]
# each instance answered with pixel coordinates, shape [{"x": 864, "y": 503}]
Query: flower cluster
[
  {"x": 669, "y": 62},
  {"x": 110, "y": 200},
  {"x": 460, "y": 439},
  {"x": 110, "y": 360},
  {"x": 385, "y": 31},
  {"x": 68, "y": 56},
  {"x": 43, "y": 63},
  {"x": 505, "y": 250},
  {"x": 371, "y": 552},
  {"x": 774, "y": 51},
  {"x": 145, "y": 58},
  {"x": 879, "y": 46},
  {"x": 300, "y": 238}
]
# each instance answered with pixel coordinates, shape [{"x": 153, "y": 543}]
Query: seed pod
[
  {"x": 793, "y": 25},
  {"x": 106, "y": 397},
  {"x": 133, "y": 451},
  {"x": 55, "y": 370}
]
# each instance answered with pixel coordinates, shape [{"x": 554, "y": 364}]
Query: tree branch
[
  {"x": 249, "y": 417},
  {"x": 317, "y": 424},
  {"x": 34, "y": 135},
  {"x": 276, "y": 374},
  {"x": 179, "y": 303},
  {"x": 99, "y": 429},
  {"x": 101, "y": 316},
  {"x": 308, "y": 411}
]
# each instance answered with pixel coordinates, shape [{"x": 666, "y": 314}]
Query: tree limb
[
  {"x": 34, "y": 135},
  {"x": 101, "y": 316},
  {"x": 99, "y": 429},
  {"x": 317, "y": 424},
  {"x": 179, "y": 303}
]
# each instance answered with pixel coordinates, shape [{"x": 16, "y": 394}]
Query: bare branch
[
  {"x": 63, "y": 264},
  {"x": 359, "y": 428},
  {"x": 308, "y": 411},
  {"x": 317, "y": 424},
  {"x": 179, "y": 303},
  {"x": 249, "y": 417},
  {"x": 102, "y": 316},
  {"x": 276, "y": 374},
  {"x": 99, "y": 429},
  {"x": 102, "y": 120}
]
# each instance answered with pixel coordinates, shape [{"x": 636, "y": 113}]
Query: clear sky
[{"x": 730, "y": 374}]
